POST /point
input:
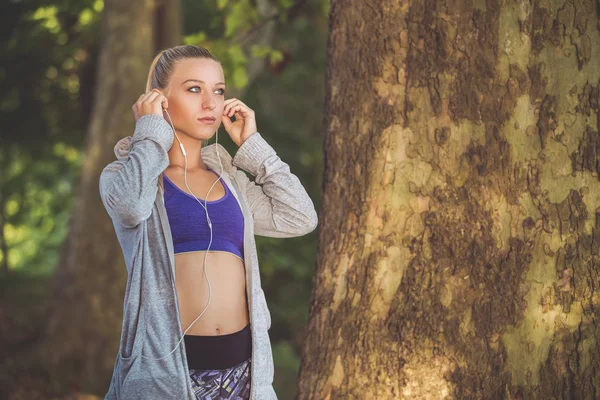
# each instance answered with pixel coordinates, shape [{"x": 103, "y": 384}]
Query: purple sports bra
[{"x": 189, "y": 226}]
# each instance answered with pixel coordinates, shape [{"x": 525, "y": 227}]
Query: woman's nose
[{"x": 210, "y": 103}]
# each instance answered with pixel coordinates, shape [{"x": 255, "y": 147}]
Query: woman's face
[{"x": 196, "y": 90}]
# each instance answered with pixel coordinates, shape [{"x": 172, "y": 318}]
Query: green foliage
[
  {"x": 241, "y": 15},
  {"x": 266, "y": 51},
  {"x": 221, "y": 4},
  {"x": 37, "y": 210},
  {"x": 232, "y": 58},
  {"x": 288, "y": 363},
  {"x": 42, "y": 123},
  {"x": 285, "y": 4}
]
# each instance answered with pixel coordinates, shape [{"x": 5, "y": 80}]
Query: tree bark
[
  {"x": 82, "y": 337},
  {"x": 459, "y": 249},
  {"x": 167, "y": 22}
]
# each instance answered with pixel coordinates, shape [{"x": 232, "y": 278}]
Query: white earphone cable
[{"x": 209, "y": 225}]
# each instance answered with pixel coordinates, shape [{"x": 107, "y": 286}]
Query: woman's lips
[{"x": 207, "y": 121}]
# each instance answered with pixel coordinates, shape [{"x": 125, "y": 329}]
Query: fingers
[
  {"x": 156, "y": 98},
  {"x": 234, "y": 106},
  {"x": 150, "y": 103},
  {"x": 228, "y": 104},
  {"x": 226, "y": 122},
  {"x": 239, "y": 109}
]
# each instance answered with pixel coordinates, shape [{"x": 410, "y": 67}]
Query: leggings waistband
[{"x": 219, "y": 351}]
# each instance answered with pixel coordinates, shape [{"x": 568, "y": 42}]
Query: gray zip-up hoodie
[{"x": 129, "y": 187}]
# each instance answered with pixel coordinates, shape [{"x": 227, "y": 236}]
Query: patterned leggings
[{"x": 215, "y": 384}]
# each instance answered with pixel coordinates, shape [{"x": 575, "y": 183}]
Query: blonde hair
[
  {"x": 162, "y": 68},
  {"x": 163, "y": 64}
]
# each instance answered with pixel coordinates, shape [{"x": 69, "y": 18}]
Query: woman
[{"x": 195, "y": 323}]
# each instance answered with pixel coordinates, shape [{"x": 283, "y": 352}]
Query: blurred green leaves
[
  {"x": 273, "y": 55},
  {"x": 37, "y": 210},
  {"x": 46, "y": 17},
  {"x": 241, "y": 15}
]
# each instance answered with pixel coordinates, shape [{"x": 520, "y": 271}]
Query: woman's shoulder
[
  {"x": 216, "y": 157},
  {"x": 219, "y": 159}
]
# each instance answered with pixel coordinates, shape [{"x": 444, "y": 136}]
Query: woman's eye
[{"x": 198, "y": 87}]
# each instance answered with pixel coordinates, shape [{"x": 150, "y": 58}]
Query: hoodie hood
[{"x": 208, "y": 154}]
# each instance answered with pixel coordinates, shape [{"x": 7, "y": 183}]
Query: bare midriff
[{"x": 228, "y": 308}]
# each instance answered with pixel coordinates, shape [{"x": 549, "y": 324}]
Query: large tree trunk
[
  {"x": 459, "y": 251},
  {"x": 87, "y": 298}
]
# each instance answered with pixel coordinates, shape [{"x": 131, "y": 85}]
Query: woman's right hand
[{"x": 152, "y": 102}]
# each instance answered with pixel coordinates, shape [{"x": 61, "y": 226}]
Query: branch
[{"x": 291, "y": 12}]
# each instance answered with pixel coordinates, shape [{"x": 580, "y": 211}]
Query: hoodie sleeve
[
  {"x": 280, "y": 206},
  {"x": 128, "y": 186}
]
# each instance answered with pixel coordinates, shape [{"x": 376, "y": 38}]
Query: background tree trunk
[
  {"x": 459, "y": 249},
  {"x": 87, "y": 303},
  {"x": 167, "y": 28}
]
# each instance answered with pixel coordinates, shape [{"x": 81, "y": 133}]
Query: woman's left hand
[{"x": 244, "y": 124}]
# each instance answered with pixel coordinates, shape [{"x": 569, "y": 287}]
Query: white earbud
[{"x": 209, "y": 225}]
